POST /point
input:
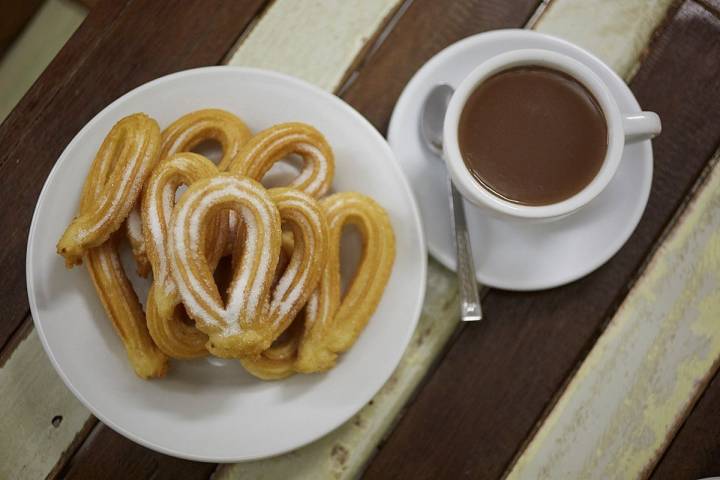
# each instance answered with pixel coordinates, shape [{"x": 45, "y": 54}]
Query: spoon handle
[{"x": 469, "y": 298}]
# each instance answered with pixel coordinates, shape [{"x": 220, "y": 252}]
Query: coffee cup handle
[{"x": 640, "y": 126}]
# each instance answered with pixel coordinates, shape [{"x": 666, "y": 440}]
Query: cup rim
[{"x": 476, "y": 192}]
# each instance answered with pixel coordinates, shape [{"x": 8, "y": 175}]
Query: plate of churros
[{"x": 226, "y": 264}]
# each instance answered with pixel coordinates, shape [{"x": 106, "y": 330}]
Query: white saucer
[
  {"x": 211, "y": 409},
  {"x": 508, "y": 254}
]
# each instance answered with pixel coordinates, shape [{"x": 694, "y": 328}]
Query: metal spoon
[{"x": 431, "y": 129}]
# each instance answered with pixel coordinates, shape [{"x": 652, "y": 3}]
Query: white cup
[{"x": 621, "y": 128}]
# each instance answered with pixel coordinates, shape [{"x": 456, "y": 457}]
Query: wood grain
[
  {"x": 29, "y": 54},
  {"x": 36, "y": 400},
  {"x": 616, "y": 33},
  {"x": 105, "y": 58},
  {"x": 107, "y": 455},
  {"x": 501, "y": 375}
]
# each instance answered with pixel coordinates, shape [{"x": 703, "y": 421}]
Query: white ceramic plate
[
  {"x": 509, "y": 254},
  {"x": 210, "y": 409}
]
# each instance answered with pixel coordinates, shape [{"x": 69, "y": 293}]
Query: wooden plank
[
  {"x": 31, "y": 52},
  {"x": 501, "y": 375},
  {"x": 632, "y": 392},
  {"x": 107, "y": 454},
  {"x": 41, "y": 417},
  {"x": 315, "y": 41},
  {"x": 107, "y": 56},
  {"x": 616, "y": 33}
]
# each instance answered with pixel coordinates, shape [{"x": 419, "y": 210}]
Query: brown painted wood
[
  {"x": 80, "y": 437},
  {"x": 88, "y": 3},
  {"x": 14, "y": 15},
  {"x": 493, "y": 386},
  {"x": 695, "y": 451},
  {"x": 109, "y": 455},
  {"x": 122, "y": 44}
]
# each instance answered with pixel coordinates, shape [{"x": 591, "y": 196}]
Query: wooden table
[{"x": 612, "y": 376}]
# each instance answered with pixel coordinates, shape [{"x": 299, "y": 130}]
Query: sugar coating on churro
[{"x": 283, "y": 312}]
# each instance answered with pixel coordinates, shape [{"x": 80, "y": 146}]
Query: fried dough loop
[
  {"x": 111, "y": 188},
  {"x": 183, "y": 135},
  {"x": 195, "y": 128},
  {"x": 273, "y": 144},
  {"x": 236, "y": 328},
  {"x": 121, "y": 166},
  {"x": 239, "y": 270},
  {"x": 330, "y": 323},
  {"x": 166, "y": 317}
]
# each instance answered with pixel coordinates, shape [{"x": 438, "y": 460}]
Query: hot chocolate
[{"x": 532, "y": 135}]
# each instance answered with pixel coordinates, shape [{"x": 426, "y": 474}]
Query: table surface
[{"x": 612, "y": 376}]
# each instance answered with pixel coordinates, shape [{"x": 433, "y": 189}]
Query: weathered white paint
[
  {"x": 615, "y": 30},
  {"x": 646, "y": 370},
  {"x": 36, "y": 46},
  {"x": 314, "y": 40},
  {"x": 32, "y": 395}
]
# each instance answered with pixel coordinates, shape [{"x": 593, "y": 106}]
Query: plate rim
[
  {"x": 294, "y": 82},
  {"x": 445, "y": 258}
]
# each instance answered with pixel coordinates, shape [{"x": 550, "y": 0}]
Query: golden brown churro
[
  {"x": 278, "y": 142},
  {"x": 329, "y": 324},
  {"x": 238, "y": 328},
  {"x": 120, "y": 169},
  {"x": 281, "y": 310},
  {"x": 183, "y": 135},
  {"x": 166, "y": 317},
  {"x": 112, "y": 186}
]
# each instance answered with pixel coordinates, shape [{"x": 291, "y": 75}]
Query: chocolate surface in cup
[{"x": 532, "y": 135}]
